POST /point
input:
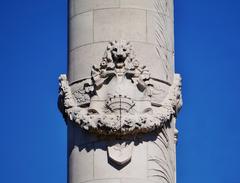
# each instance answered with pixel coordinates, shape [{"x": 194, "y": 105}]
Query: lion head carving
[{"x": 119, "y": 53}]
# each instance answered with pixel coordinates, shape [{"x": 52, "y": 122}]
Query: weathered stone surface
[
  {"x": 81, "y": 30},
  {"x": 81, "y": 6},
  {"x": 104, "y": 168},
  {"x": 88, "y": 55},
  {"x": 147, "y": 54},
  {"x": 136, "y": 181},
  {"x": 106, "y": 25},
  {"x": 160, "y": 30},
  {"x": 120, "y": 153},
  {"x": 120, "y": 99},
  {"x": 104, "y": 181},
  {"x": 142, "y": 4},
  {"x": 81, "y": 164},
  {"x": 145, "y": 23}
]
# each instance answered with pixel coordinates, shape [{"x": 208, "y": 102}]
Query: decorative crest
[{"x": 121, "y": 98}]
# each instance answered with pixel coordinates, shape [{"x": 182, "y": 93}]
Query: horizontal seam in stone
[
  {"x": 97, "y": 42},
  {"x": 101, "y": 179},
  {"x": 120, "y": 179},
  {"x": 99, "y": 9},
  {"x": 132, "y": 178}
]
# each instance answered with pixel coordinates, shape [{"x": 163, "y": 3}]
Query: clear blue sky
[{"x": 34, "y": 51}]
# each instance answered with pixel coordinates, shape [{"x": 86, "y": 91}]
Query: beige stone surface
[
  {"x": 80, "y": 164},
  {"x": 104, "y": 181},
  {"x": 81, "y": 6},
  {"x": 136, "y": 181},
  {"x": 89, "y": 55},
  {"x": 148, "y": 25},
  {"x": 81, "y": 30},
  {"x": 135, "y": 169},
  {"x": 160, "y": 161},
  {"x": 151, "y": 56},
  {"x": 142, "y": 4},
  {"x": 82, "y": 137},
  {"x": 164, "y": 7},
  {"x": 160, "y": 30},
  {"x": 145, "y": 28},
  {"x": 119, "y": 24}
]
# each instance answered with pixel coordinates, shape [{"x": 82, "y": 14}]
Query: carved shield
[{"x": 121, "y": 154}]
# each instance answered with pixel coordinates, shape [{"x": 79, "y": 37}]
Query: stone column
[{"x": 121, "y": 96}]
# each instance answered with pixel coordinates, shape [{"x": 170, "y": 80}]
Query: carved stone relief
[
  {"x": 120, "y": 97},
  {"x": 161, "y": 165},
  {"x": 121, "y": 153}
]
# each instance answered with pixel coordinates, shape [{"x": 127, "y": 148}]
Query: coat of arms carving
[{"x": 121, "y": 97}]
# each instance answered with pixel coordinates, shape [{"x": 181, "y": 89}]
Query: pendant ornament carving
[
  {"x": 120, "y": 98},
  {"x": 121, "y": 153}
]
